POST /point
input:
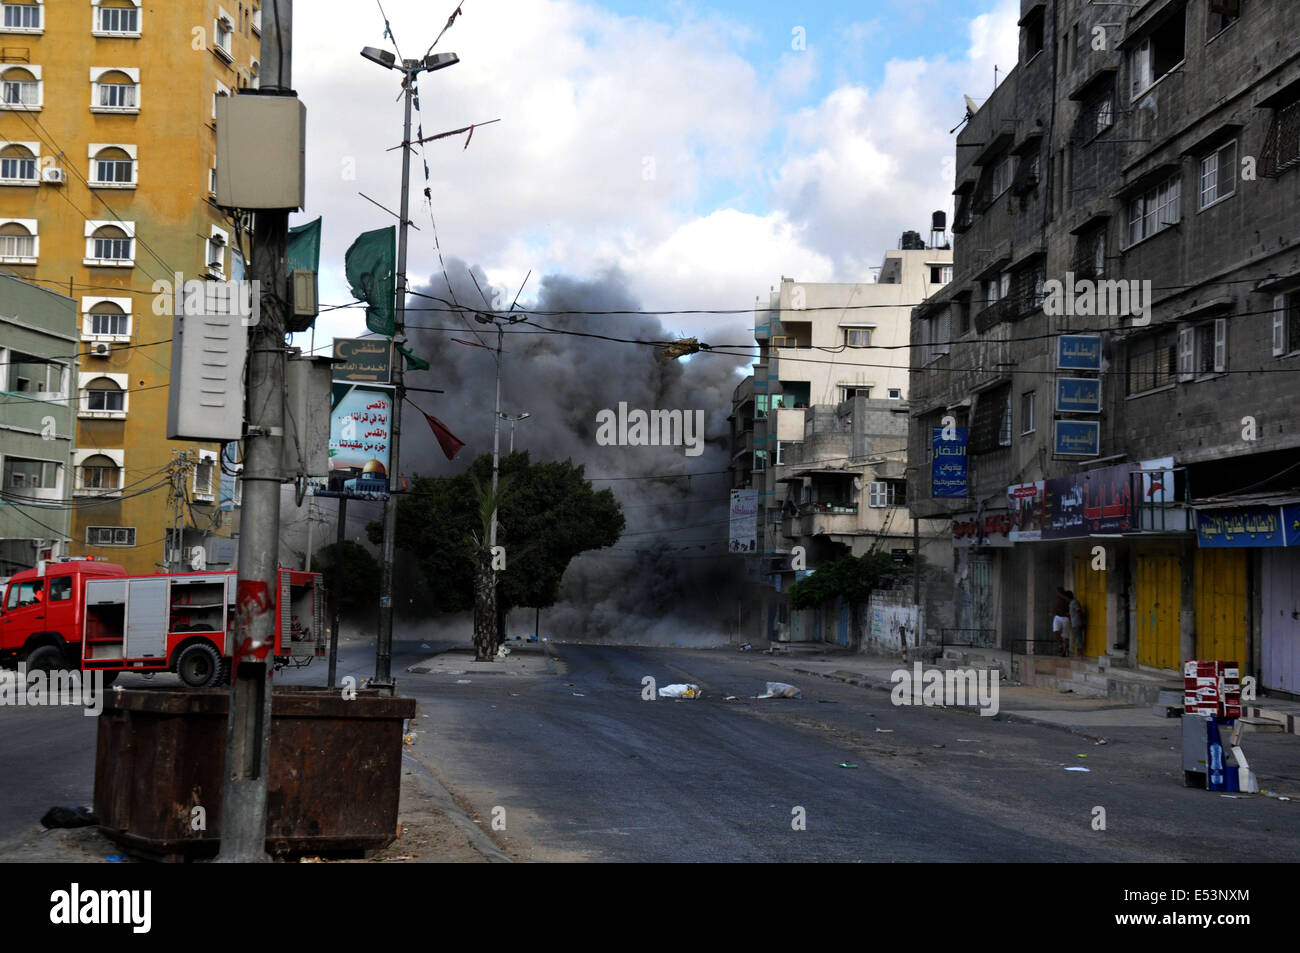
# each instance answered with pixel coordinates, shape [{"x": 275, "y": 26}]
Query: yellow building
[{"x": 107, "y": 154}]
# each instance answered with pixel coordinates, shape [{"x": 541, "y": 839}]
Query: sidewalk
[
  {"x": 1274, "y": 756},
  {"x": 525, "y": 658}
]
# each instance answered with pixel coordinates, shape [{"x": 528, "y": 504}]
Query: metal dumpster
[{"x": 335, "y": 770}]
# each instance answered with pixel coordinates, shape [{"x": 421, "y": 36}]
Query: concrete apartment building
[
  {"x": 820, "y": 430},
  {"x": 39, "y": 341},
  {"x": 1142, "y": 452},
  {"x": 107, "y": 160}
]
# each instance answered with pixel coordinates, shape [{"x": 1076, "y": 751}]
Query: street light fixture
[
  {"x": 514, "y": 419},
  {"x": 410, "y": 69}
]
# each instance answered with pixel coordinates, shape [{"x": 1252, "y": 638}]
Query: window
[
  {"x": 257, "y": 20},
  {"x": 1032, "y": 33},
  {"x": 1028, "y": 412},
  {"x": 110, "y": 244},
  {"x": 1218, "y": 175},
  {"x": 223, "y": 30},
  {"x": 1002, "y": 172},
  {"x": 895, "y": 393},
  {"x": 882, "y": 493},
  {"x": 24, "y": 474},
  {"x": 99, "y": 472},
  {"x": 205, "y": 476},
  {"x": 850, "y": 391},
  {"x": 117, "y": 21},
  {"x": 19, "y": 244},
  {"x": 1152, "y": 362},
  {"x": 1208, "y": 346},
  {"x": 30, "y": 374},
  {"x": 21, "y": 18},
  {"x": 991, "y": 424},
  {"x": 1028, "y": 294},
  {"x": 1004, "y": 426},
  {"x": 18, "y": 163},
  {"x": 1090, "y": 254},
  {"x": 216, "y": 251},
  {"x": 1098, "y": 115},
  {"x": 940, "y": 274},
  {"x": 103, "y": 395},
  {"x": 105, "y": 319},
  {"x": 1282, "y": 143},
  {"x": 1221, "y": 15},
  {"x": 1159, "y": 54},
  {"x": 20, "y": 88},
  {"x": 857, "y": 337},
  {"x": 24, "y": 594},
  {"x": 760, "y": 406},
  {"x": 1286, "y": 324},
  {"x": 112, "y": 166},
  {"x": 114, "y": 90},
  {"x": 60, "y": 589},
  {"x": 760, "y": 460},
  {"x": 110, "y": 535},
  {"x": 222, "y": 90},
  {"x": 1154, "y": 210}
]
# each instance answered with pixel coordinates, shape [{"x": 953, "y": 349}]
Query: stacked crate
[{"x": 1212, "y": 688}]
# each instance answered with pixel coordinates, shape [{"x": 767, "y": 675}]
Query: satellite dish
[
  {"x": 971, "y": 108},
  {"x": 857, "y": 483}
]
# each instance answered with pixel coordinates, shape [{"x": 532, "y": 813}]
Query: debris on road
[
  {"x": 1077, "y": 768},
  {"x": 680, "y": 690},
  {"x": 779, "y": 690},
  {"x": 885, "y": 731},
  {"x": 730, "y": 698},
  {"x": 462, "y": 681},
  {"x": 576, "y": 695},
  {"x": 845, "y": 764}
]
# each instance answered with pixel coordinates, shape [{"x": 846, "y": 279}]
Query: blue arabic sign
[
  {"x": 1078, "y": 352},
  {"x": 1077, "y": 438},
  {"x": 1242, "y": 526},
  {"x": 1291, "y": 524},
  {"x": 1078, "y": 395},
  {"x": 948, "y": 475}
]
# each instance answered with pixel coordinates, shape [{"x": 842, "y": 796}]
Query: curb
[{"x": 437, "y": 793}]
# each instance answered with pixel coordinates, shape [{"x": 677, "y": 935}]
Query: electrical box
[
  {"x": 305, "y": 449},
  {"x": 302, "y": 287},
  {"x": 261, "y": 151},
  {"x": 206, "y": 397}
]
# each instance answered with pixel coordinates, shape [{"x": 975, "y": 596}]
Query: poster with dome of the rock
[{"x": 360, "y": 418}]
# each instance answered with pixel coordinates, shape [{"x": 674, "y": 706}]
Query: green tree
[
  {"x": 547, "y": 514},
  {"x": 357, "y": 586},
  {"x": 851, "y": 578}
]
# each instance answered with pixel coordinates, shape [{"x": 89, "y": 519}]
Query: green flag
[
  {"x": 303, "y": 252},
  {"x": 413, "y": 361},
  {"x": 371, "y": 266}
]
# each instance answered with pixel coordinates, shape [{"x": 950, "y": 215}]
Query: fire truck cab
[{"x": 42, "y": 615}]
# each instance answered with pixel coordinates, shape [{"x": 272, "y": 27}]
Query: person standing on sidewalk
[
  {"x": 1076, "y": 623},
  {"x": 1061, "y": 620}
]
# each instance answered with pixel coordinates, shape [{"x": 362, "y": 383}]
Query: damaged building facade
[{"x": 1103, "y": 398}]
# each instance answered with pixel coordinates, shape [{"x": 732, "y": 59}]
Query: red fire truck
[{"x": 88, "y": 613}]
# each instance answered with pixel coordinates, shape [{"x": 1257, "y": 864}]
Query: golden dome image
[{"x": 375, "y": 467}]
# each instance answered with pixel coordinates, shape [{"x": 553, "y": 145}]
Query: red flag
[{"x": 449, "y": 442}]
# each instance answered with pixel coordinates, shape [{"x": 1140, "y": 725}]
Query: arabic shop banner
[
  {"x": 948, "y": 474},
  {"x": 1025, "y": 506},
  {"x": 1088, "y": 503},
  {"x": 744, "y": 522},
  {"x": 1241, "y": 527},
  {"x": 360, "y": 417},
  {"x": 988, "y": 529}
]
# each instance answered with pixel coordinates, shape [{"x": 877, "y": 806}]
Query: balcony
[{"x": 1008, "y": 309}]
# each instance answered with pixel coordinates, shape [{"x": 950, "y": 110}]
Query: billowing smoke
[{"x": 668, "y": 580}]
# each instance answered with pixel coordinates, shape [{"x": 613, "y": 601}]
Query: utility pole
[
  {"x": 383, "y": 679},
  {"x": 243, "y": 798},
  {"x": 339, "y": 537}
]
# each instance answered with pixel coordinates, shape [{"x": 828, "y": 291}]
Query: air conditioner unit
[
  {"x": 100, "y": 349},
  {"x": 52, "y": 175}
]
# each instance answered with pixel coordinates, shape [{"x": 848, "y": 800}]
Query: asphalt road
[
  {"x": 586, "y": 769},
  {"x": 580, "y": 767}
]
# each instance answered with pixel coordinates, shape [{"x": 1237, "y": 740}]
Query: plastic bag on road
[
  {"x": 680, "y": 691},
  {"x": 779, "y": 690}
]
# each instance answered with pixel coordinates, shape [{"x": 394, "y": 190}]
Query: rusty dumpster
[{"x": 335, "y": 770}]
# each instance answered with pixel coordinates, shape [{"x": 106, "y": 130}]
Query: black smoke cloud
[{"x": 668, "y": 580}]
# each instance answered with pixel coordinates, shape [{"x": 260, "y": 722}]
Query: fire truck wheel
[
  {"x": 199, "y": 665},
  {"x": 46, "y": 659}
]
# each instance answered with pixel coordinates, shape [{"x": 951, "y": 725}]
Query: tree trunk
[{"x": 485, "y": 613}]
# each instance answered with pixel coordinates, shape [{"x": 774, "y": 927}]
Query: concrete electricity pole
[
  {"x": 243, "y": 798},
  {"x": 383, "y": 679}
]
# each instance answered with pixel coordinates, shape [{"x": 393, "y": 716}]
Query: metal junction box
[{"x": 261, "y": 151}]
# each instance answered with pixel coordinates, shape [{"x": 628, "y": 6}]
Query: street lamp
[
  {"x": 500, "y": 321},
  {"x": 409, "y": 70},
  {"x": 514, "y": 418}
]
